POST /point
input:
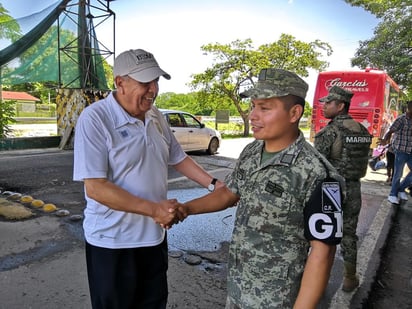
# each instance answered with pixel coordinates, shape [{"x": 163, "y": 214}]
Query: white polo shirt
[{"x": 111, "y": 144}]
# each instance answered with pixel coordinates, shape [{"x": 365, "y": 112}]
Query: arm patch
[{"x": 323, "y": 213}]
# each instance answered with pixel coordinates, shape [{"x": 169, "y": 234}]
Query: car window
[
  {"x": 175, "y": 120},
  {"x": 191, "y": 122}
]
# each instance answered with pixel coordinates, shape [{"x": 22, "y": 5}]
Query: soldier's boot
[{"x": 350, "y": 280}]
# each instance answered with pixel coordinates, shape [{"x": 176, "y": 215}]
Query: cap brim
[
  {"x": 325, "y": 99},
  {"x": 257, "y": 93},
  {"x": 149, "y": 74}
]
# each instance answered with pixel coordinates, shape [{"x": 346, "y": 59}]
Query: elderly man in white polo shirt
[{"x": 122, "y": 150}]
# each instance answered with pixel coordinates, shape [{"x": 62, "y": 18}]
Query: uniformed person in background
[
  {"x": 345, "y": 143},
  {"x": 288, "y": 220}
]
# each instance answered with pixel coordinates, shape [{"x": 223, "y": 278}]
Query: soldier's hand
[{"x": 164, "y": 213}]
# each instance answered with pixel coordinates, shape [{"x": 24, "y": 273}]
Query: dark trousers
[
  {"x": 128, "y": 278},
  {"x": 390, "y": 161}
]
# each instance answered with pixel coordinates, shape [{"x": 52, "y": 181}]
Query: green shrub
[{"x": 6, "y": 117}]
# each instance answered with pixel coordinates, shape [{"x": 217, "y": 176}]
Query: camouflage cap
[
  {"x": 277, "y": 83},
  {"x": 337, "y": 93}
]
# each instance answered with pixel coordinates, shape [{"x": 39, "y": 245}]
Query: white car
[{"x": 191, "y": 134}]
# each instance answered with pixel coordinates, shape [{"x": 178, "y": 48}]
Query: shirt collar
[{"x": 286, "y": 156}]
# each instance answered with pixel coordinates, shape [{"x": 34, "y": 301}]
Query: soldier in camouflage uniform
[
  {"x": 346, "y": 143},
  {"x": 288, "y": 195}
]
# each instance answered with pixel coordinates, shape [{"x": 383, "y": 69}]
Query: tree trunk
[{"x": 245, "y": 126}]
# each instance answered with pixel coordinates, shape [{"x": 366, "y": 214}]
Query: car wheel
[{"x": 213, "y": 146}]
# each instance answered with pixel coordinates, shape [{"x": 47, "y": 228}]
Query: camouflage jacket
[
  {"x": 346, "y": 144},
  {"x": 268, "y": 250}
]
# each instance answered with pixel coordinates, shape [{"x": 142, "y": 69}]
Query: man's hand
[
  {"x": 164, "y": 213},
  {"x": 182, "y": 212}
]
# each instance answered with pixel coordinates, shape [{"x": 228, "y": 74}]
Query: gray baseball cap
[
  {"x": 139, "y": 65},
  {"x": 277, "y": 83},
  {"x": 337, "y": 93}
]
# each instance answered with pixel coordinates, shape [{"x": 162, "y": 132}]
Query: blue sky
[{"x": 175, "y": 30}]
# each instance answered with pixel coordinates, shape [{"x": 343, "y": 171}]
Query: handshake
[{"x": 169, "y": 212}]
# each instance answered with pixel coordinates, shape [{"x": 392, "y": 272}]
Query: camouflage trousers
[
  {"x": 351, "y": 209},
  {"x": 230, "y": 304}
]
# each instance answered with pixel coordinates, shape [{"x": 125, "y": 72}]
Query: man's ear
[
  {"x": 341, "y": 106},
  {"x": 296, "y": 112},
  {"x": 118, "y": 81}
]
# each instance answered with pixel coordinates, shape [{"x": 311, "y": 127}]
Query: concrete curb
[
  {"x": 24, "y": 152},
  {"x": 369, "y": 256}
]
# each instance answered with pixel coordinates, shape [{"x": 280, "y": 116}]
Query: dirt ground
[{"x": 202, "y": 286}]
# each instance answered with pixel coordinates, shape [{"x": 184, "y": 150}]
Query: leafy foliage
[
  {"x": 390, "y": 48},
  {"x": 197, "y": 103},
  {"x": 186, "y": 102},
  {"x": 379, "y": 7},
  {"x": 308, "y": 110},
  {"x": 237, "y": 64},
  {"x": 9, "y": 27},
  {"x": 6, "y": 117}
]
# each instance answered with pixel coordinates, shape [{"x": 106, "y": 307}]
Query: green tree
[
  {"x": 9, "y": 27},
  {"x": 237, "y": 64},
  {"x": 10, "y": 30},
  {"x": 196, "y": 103},
  {"x": 177, "y": 101},
  {"x": 6, "y": 117},
  {"x": 308, "y": 110},
  {"x": 379, "y": 7},
  {"x": 210, "y": 103},
  {"x": 108, "y": 71},
  {"x": 390, "y": 48}
]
